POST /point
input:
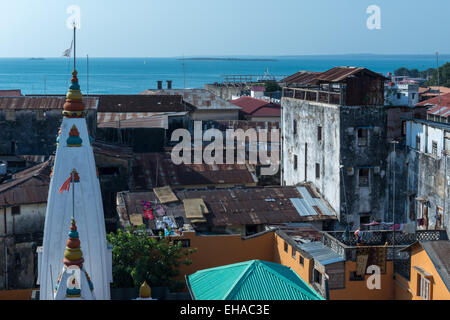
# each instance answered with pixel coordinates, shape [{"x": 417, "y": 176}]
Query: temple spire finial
[{"x": 74, "y": 106}]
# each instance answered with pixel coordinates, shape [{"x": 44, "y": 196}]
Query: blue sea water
[{"x": 134, "y": 75}]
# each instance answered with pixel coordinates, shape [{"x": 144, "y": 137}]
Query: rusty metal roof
[
  {"x": 199, "y": 98},
  {"x": 112, "y": 150},
  {"x": 28, "y": 186},
  {"x": 41, "y": 103},
  {"x": 146, "y": 166},
  {"x": 11, "y": 93},
  {"x": 338, "y": 74},
  {"x": 233, "y": 206},
  {"x": 301, "y": 77},
  {"x": 142, "y": 103}
]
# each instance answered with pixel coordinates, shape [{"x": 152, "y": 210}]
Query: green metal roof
[{"x": 250, "y": 280}]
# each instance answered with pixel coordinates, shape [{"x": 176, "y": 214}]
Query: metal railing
[{"x": 317, "y": 95}]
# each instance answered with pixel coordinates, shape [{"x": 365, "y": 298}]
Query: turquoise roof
[{"x": 250, "y": 280}]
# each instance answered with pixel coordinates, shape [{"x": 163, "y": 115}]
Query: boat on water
[{"x": 36, "y": 59}]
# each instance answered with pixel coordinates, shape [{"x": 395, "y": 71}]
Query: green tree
[
  {"x": 271, "y": 86},
  {"x": 444, "y": 76},
  {"x": 137, "y": 257}
]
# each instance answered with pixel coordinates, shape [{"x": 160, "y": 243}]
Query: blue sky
[{"x": 167, "y": 28}]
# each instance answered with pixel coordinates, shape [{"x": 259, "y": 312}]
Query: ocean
[{"x": 134, "y": 75}]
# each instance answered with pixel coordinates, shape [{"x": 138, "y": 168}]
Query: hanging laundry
[
  {"x": 169, "y": 222},
  {"x": 148, "y": 214},
  {"x": 160, "y": 224}
]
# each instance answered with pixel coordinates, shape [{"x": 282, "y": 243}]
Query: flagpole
[
  {"x": 74, "y": 45},
  {"x": 73, "y": 194}
]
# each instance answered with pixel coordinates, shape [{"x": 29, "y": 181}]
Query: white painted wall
[{"x": 30, "y": 219}]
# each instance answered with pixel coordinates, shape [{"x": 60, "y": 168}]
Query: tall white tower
[{"x": 84, "y": 201}]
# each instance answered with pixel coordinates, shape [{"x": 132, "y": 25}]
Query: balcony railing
[
  {"x": 317, "y": 95},
  {"x": 347, "y": 247}
]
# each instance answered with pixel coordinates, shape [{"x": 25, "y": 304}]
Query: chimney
[
  {"x": 159, "y": 84},
  {"x": 169, "y": 84}
]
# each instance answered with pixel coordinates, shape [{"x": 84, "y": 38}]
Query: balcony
[{"x": 316, "y": 95}]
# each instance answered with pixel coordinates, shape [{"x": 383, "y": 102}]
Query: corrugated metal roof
[
  {"x": 439, "y": 253},
  {"x": 28, "y": 186},
  {"x": 301, "y": 78},
  {"x": 250, "y": 280},
  {"x": 307, "y": 205},
  {"x": 199, "y": 98},
  {"x": 251, "y": 105},
  {"x": 341, "y": 73},
  {"x": 236, "y": 206},
  {"x": 41, "y": 103},
  {"x": 322, "y": 254},
  {"x": 142, "y": 103},
  {"x": 10, "y": 93}
]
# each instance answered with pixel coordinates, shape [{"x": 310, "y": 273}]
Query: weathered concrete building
[
  {"x": 23, "y": 201},
  {"x": 428, "y": 167},
  {"x": 207, "y": 106},
  {"x": 334, "y": 135},
  {"x": 30, "y": 124},
  {"x": 145, "y": 122}
]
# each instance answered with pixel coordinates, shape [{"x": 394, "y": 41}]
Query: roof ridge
[
  {"x": 288, "y": 281},
  {"x": 238, "y": 283}
]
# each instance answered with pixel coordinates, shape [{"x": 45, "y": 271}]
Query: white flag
[{"x": 67, "y": 52}]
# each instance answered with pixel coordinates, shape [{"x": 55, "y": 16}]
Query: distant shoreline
[{"x": 228, "y": 59}]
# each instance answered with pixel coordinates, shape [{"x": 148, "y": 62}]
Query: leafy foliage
[
  {"x": 444, "y": 76},
  {"x": 430, "y": 74},
  {"x": 137, "y": 257}
]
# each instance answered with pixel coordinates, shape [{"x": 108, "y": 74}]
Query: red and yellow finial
[
  {"x": 73, "y": 256},
  {"x": 74, "y": 106}
]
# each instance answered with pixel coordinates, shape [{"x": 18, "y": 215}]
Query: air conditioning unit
[
  {"x": 350, "y": 130},
  {"x": 376, "y": 130},
  {"x": 376, "y": 170}
]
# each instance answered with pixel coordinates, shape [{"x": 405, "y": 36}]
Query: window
[
  {"x": 355, "y": 277},
  {"x": 403, "y": 128},
  {"x": 106, "y": 171},
  {"x": 15, "y": 210},
  {"x": 10, "y": 115},
  {"x": 295, "y": 162},
  {"x": 424, "y": 287},
  {"x": 434, "y": 148},
  {"x": 317, "y": 277},
  {"x": 319, "y": 133},
  {"x": 364, "y": 219},
  {"x": 185, "y": 243},
  {"x": 399, "y": 95},
  {"x": 363, "y": 135},
  {"x": 293, "y": 252},
  {"x": 413, "y": 95},
  {"x": 364, "y": 177},
  {"x": 418, "y": 143},
  {"x": 285, "y": 247},
  {"x": 317, "y": 170},
  {"x": 295, "y": 126},
  {"x": 302, "y": 260}
]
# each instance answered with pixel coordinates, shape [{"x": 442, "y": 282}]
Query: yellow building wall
[
  {"x": 286, "y": 259},
  {"x": 358, "y": 290},
  {"x": 408, "y": 290},
  {"x": 218, "y": 250}
]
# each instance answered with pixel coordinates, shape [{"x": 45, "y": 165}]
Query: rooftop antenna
[
  {"x": 74, "y": 45},
  {"x": 184, "y": 73},
  {"x": 438, "y": 79},
  {"x": 87, "y": 75}
]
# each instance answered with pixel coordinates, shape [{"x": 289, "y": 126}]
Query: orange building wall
[
  {"x": 218, "y": 250},
  {"x": 407, "y": 290},
  {"x": 16, "y": 294},
  {"x": 357, "y": 290},
  {"x": 285, "y": 258}
]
